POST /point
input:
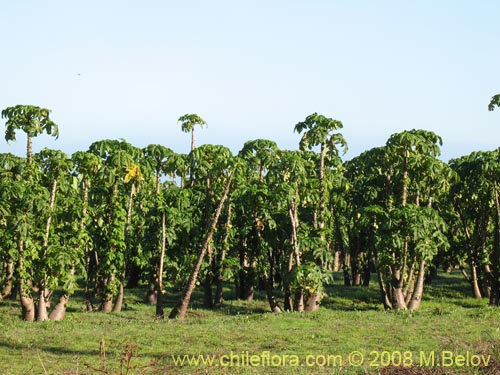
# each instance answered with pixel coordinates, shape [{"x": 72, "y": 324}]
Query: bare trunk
[
  {"x": 299, "y": 301},
  {"x": 107, "y": 298},
  {"x": 29, "y": 150},
  {"x": 312, "y": 302},
  {"x": 152, "y": 294},
  {"x": 357, "y": 263},
  {"x": 336, "y": 261},
  {"x": 366, "y": 275},
  {"x": 119, "y": 298},
  {"x": 322, "y": 201},
  {"x": 398, "y": 299},
  {"x": 180, "y": 310},
  {"x": 27, "y": 302},
  {"x": 160, "y": 314},
  {"x": 44, "y": 293},
  {"x": 410, "y": 283},
  {"x": 8, "y": 279},
  {"x": 416, "y": 298},
  {"x": 476, "y": 291},
  {"x": 107, "y": 304},
  {"x": 246, "y": 276},
  {"x": 288, "y": 305},
  {"x": 404, "y": 195},
  {"x": 386, "y": 300},
  {"x": 52, "y": 201},
  {"x": 208, "y": 298},
  {"x": 28, "y": 308},
  {"x": 59, "y": 310},
  {"x": 273, "y": 304},
  {"x": 43, "y": 305}
]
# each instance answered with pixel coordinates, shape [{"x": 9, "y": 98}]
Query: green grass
[{"x": 351, "y": 319}]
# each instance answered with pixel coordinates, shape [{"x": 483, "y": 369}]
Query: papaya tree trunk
[
  {"x": 384, "y": 292},
  {"x": 180, "y": 310},
  {"x": 476, "y": 290},
  {"x": 298, "y": 303},
  {"x": 160, "y": 314},
  {"x": 273, "y": 304},
  {"x": 107, "y": 297},
  {"x": 43, "y": 305},
  {"x": 288, "y": 305},
  {"x": 59, "y": 310},
  {"x": 312, "y": 301},
  {"x": 27, "y": 302},
  {"x": 29, "y": 150},
  {"x": 8, "y": 279},
  {"x": 416, "y": 298},
  {"x": 44, "y": 293},
  {"x": 398, "y": 299},
  {"x": 119, "y": 298}
]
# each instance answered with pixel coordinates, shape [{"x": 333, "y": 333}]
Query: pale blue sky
[{"x": 252, "y": 69}]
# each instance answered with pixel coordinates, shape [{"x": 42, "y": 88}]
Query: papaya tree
[
  {"x": 320, "y": 131},
  {"x": 254, "y": 215},
  {"x": 113, "y": 193},
  {"x": 30, "y": 119},
  {"x": 86, "y": 168},
  {"x": 410, "y": 230},
  {"x": 292, "y": 194},
  {"x": 494, "y": 102},
  {"x": 209, "y": 164},
  {"x": 475, "y": 202},
  {"x": 11, "y": 171},
  {"x": 161, "y": 160},
  {"x": 189, "y": 122},
  {"x": 180, "y": 309},
  {"x": 54, "y": 259}
]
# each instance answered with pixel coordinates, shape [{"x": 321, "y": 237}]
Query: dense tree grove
[{"x": 281, "y": 221}]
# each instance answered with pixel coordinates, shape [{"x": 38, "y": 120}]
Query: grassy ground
[{"x": 350, "y": 327}]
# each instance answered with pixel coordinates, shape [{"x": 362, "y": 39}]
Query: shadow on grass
[{"x": 49, "y": 349}]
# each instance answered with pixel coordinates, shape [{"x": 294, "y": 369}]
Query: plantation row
[{"x": 116, "y": 215}]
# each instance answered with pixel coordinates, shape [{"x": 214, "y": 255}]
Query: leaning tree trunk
[
  {"x": 384, "y": 292},
  {"x": 59, "y": 311},
  {"x": 180, "y": 310},
  {"x": 474, "y": 281},
  {"x": 273, "y": 304}
]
